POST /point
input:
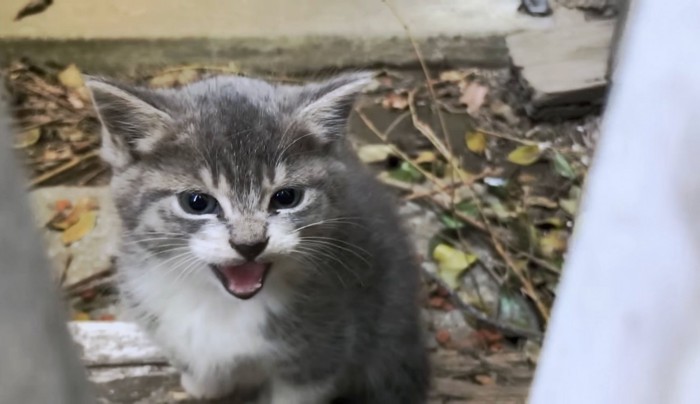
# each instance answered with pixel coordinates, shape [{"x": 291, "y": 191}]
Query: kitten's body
[{"x": 336, "y": 317}]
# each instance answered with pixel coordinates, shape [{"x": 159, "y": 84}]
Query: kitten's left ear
[{"x": 329, "y": 103}]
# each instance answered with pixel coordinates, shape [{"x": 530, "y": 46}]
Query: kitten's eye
[
  {"x": 285, "y": 198},
  {"x": 197, "y": 203}
]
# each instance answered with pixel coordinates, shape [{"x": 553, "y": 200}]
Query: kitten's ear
[
  {"x": 131, "y": 122},
  {"x": 329, "y": 103}
]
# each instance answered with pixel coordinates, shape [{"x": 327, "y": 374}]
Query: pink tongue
[{"x": 243, "y": 280}]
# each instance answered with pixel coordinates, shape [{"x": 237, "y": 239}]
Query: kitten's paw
[{"x": 199, "y": 390}]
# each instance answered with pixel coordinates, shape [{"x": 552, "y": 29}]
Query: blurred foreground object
[
  {"x": 38, "y": 361},
  {"x": 625, "y": 327}
]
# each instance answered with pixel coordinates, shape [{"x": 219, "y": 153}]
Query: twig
[
  {"x": 64, "y": 272},
  {"x": 396, "y": 150},
  {"x": 88, "y": 178},
  {"x": 480, "y": 316},
  {"x": 75, "y": 288},
  {"x": 507, "y": 137},
  {"x": 431, "y": 192},
  {"x": 61, "y": 169},
  {"x": 542, "y": 263}
]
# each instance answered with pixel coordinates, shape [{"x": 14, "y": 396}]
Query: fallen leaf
[
  {"x": 33, "y": 7},
  {"x": 436, "y": 302},
  {"x": 71, "y": 77},
  {"x": 452, "y": 263},
  {"x": 502, "y": 110},
  {"x": 406, "y": 173},
  {"x": 62, "y": 205},
  {"x": 541, "y": 201},
  {"x": 450, "y": 221},
  {"x": 425, "y": 157},
  {"x": 562, "y": 166},
  {"x": 525, "y": 155},
  {"x": 374, "y": 153},
  {"x": 106, "y": 317},
  {"x": 443, "y": 336},
  {"x": 553, "y": 243},
  {"x": 88, "y": 294},
  {"x": 395, "y": 100},
  {"x": 81, "y": 316},
  {"x": 570, "y": 204},
  {"x": 468, "y": 207},
  {"x": 27, "y": 138},
  {"x": 173, "y": 78},
  {"x": 476, "y": 142},
  {"x": 550, "y": 223},
  {"x": 454, "y": 76},
  {"x": 484, "y": 380},
  {"x": 56, "y": 153},
  {"x": 85, "y": 224},
  {"x": 473, "y": 96}
]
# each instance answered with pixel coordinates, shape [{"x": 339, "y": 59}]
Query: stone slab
[{"x": 564, "y": 66}]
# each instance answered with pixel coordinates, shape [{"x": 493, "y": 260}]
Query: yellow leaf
[
  {"x": 373, "y": 153},
  {"x": 452, "y": 263},
  {"x": 476, "y": 142},
  {"x": 425, "y": 157},
  {"x": 85, "y": 223},
  {"x": 553, "y": 244},
  {"x": 27, "y": 138},
  {"x": 81, "y": 316},
  {"x": 71, "y": 77},
  {"x": 525, "y": 155}
]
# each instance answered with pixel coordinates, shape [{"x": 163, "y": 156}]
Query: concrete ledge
[{"x": 260, "y": 55}]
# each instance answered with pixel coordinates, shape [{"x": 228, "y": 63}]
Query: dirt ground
[{"x": 490, "y": 196}]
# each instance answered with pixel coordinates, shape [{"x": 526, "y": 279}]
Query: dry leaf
[
  {"x": 452, "y": 263},
  {"x": 374, "y": 153},
  {"x": 553, "y": 244},
  {"x": 33, "y": 7},
  {"x": 62, "y": 205},
  {"x": 71, "y": 77},
  {"x": 504, "y": 111},
  {"x": 484, "y": 380},
  {"x": 525, "y": 155},
  {"x": 454, "y": 76},
  {"x": 174, "y": 78},
  {"x": 27, "y": 138},
  {"x": 562, "y": 166},
  {"x": 425, "y": 157},
  {"x": 443, "y": 336},
  {"x": 476, "y": 142},
  {"x": 81, "y": 316},
  {"x": 85, "y": 224},
  {"x": 398, "y": 101},
  {"x": 541, "y": 202},
  {"x": 473, "y": 96}
]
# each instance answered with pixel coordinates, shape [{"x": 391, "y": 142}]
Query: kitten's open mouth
[{"x": 243, "y": 281}]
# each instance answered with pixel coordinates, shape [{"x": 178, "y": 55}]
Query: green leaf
[
  {"x": 562, "y": 166},
  {"x": 452, "y": 263},
  {"x": 406, "y": 173},
  {"x": 468, "y": 207},
  {"x": 451, "y": 222},
  {"x": 525, "y": 155}
]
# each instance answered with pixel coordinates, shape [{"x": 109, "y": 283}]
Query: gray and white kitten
[{"x": 257, "y": 251}]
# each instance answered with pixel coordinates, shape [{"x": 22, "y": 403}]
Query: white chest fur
[{"x": 199, "y": 324}]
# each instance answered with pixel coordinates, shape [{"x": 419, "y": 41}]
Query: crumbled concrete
[{"x": 89, "y": 255}]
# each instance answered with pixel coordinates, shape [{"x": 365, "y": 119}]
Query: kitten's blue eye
[
  {"x": 285, "y": 198},
  {"x": 197, "y": 203}
]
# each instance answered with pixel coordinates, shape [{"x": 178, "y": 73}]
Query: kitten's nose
[{"x": 250, "y": 251}]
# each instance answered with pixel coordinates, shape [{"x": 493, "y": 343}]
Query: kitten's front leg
[{"x": 283, "y": 392}]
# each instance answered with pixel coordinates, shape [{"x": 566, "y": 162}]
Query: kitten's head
[{"x": 230, "y": 173}]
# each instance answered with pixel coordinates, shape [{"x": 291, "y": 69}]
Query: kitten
[{"x": 257, "y": 251}]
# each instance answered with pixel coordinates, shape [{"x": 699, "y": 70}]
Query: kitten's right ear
[{"x": 131, "y": 125}]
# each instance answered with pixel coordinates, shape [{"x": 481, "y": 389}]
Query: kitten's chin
[{"x": 244, "y": 280}]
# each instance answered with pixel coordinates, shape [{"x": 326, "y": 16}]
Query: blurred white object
[{"x": 625, "y": 326}]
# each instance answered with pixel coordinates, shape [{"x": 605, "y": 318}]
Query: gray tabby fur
[{"x": 337, "y": 319}]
